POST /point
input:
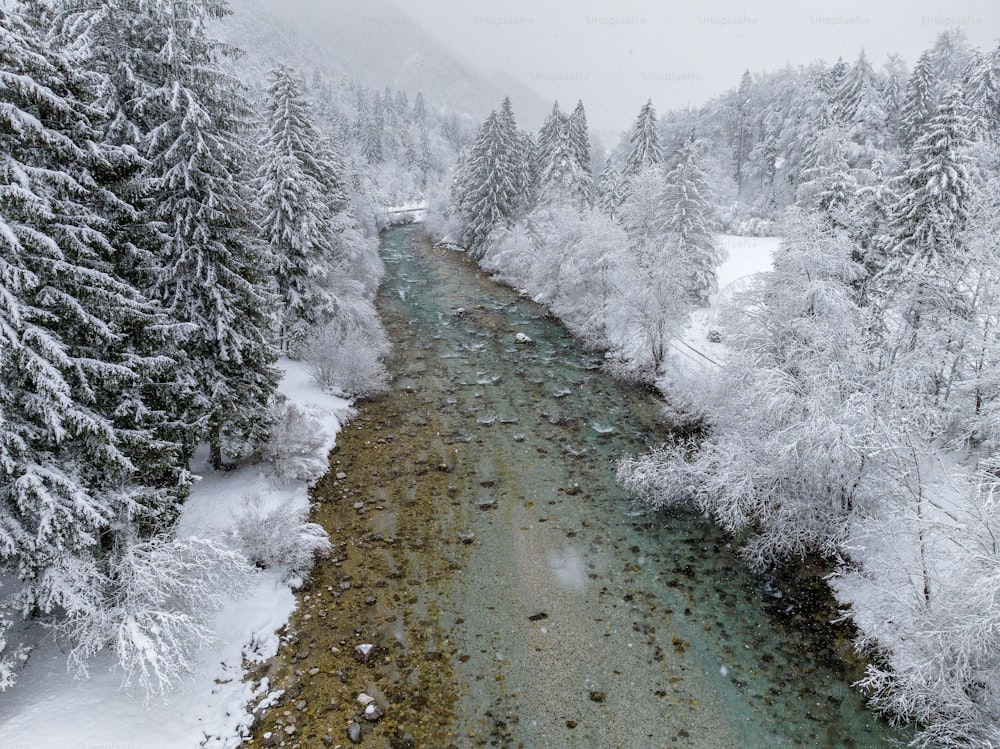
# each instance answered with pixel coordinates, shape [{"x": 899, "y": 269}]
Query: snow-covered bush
[
  {"x": 152, "y": 607},
  {"x": 279, "y": 537},
  {"x": 933, "y": 566},
  {"x": 789, "y": 415},
  {"x": 349, "y": 362},
  {"x": 294, "y": 446}
]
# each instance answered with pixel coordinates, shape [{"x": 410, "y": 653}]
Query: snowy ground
[
  {"x": 49, "y": 708},
  {"x": 745, "y": 258}
]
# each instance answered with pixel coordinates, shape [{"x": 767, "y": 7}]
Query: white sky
[{"x": 615, "y": 55}]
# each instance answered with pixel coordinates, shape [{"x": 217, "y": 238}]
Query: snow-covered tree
[
  {"x": 643, "y": 143},
  {"x": 786, "y": 415},
  {"x": 982, "y": 89},
  {"x": 562, "y": 158},
  {"x": 489, "y": 190},
  {"x": 610, "y": 190},
  {"x": 579, "y": 140},
  {"x": 73, "y": 426},
  {"x": 931, "y": 211},
  {"x": 213, "y": 268},
  {"x": 918, "y": 100},
  {"x": 298, "y": 211},
  {"x": 687, "y": 208}
]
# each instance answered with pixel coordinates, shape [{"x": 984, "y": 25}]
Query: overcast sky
[{"x": 615, "y": 55}]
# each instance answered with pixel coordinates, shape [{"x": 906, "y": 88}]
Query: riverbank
[{"x": 485, "y": 553}]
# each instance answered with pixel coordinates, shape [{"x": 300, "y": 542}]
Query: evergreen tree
[
  {"x": 982, "y": 89},
  {"x": 488, "y": 190},
  {"x": 931, "y": 210},
  {"x": 580, "y": 142},
  {"x": 861, "y": 109},
  {"x": 610, "y": 193},
  {"x": 73, "y": 438},
  {"x": 561, "y": 177},
  {"x": 740, "y": 137},
  {"x": 644, "y": 143},
  {"x": 918, "y": 101},
  {"x": 828, "y": 185},
  {"x": 687, "y": 214},
  {"x": 893, "y": 91},
  {"x": 297, "y": 220},
  {"x": 213, "y": 270}
]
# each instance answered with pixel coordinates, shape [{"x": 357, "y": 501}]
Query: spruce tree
[
  {"x": 687, "y": 215},
  {"x": 610, "y": 192},
  {"x": 918, "y": 100},
  {"x": 932, "y": 206},
  {"x": 297, "y": 212},
  {"x": 212, "y": 270},
  {"x": 561, "y": 176},
  {"x": 644, "y": 143},
  {"x": 488, "y": 189},
  {"x": 579, "y": 140},
  {"x": 73, "y": 440},
  {"x": 861, "y": 109}
]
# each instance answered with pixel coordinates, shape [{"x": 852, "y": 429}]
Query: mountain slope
[{"x": 374, "y": 43}]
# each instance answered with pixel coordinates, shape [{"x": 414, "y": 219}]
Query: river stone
[
  {"x": 341, "y": 476},
  {"x": 354, "y": 732},
  {"x": 365, "y": 699}
]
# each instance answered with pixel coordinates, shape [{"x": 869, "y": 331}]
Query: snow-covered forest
[
  {"x": 167, "y": 235},
  {"x": 179, "y": 230},
  {"x": 854, "y": 416}
]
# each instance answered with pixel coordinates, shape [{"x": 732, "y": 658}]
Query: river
[{"x": 509, "y": 590}]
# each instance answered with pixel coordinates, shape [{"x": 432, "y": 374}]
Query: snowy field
[
  {"x": 745, "y": 258},
  {"x": 49, "y": 708}
]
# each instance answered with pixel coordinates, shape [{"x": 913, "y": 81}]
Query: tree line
[
  {"x": 162, "y": 242},
  {"x": 854, "y": 415}
]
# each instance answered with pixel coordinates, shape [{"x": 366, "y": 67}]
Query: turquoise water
[{"x": 580, "y": 621}]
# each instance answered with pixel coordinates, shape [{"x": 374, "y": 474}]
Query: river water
[{"x": 511, "y": 592}]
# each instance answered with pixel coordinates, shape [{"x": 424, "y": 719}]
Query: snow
[
  {"x": 746, "y": 257},
  {"x": 49, "y": 707}
]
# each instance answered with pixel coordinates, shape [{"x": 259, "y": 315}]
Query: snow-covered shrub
[
  {"x": 295, "y": 442},
  {"x": 279, "y": 537},
  {"x": 741, "y": 220},
  {"x": 789, "y": 415},
  {"x": 154, "y": 607},
  {"x": 349, "y": 361},
  {"x": 933, "y": 567}
]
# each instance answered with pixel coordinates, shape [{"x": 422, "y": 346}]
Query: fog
[{"x": 616, "y": 55}]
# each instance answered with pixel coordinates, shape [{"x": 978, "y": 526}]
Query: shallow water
[{"x": 513, "y": 596}]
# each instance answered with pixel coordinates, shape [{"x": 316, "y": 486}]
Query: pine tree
[
  {"x": 580, "y": 142},
  {"x": 561, "y": 177},
  {"x": 488, "y": 190},
  {"x": 861, "y": 108},
  {"x": 610, "y": 193},
  {"x": 827, "y": 185},
  {"x": 297, "y": 220},
  {"x": 982, "y": 88},
  {"x": 918, "y": 101},
  {"x": 932, "y": 208},
  {"x": 213, "y": 270},
  {"x": 419, "y": 108},
  {"x": 740, "y": 127},
  {"x": 892, "y": 94},
  {"x": 73, "y": 438},
  {"x": 644, "y": 143},
  {"x": 687, "y": 214}
]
